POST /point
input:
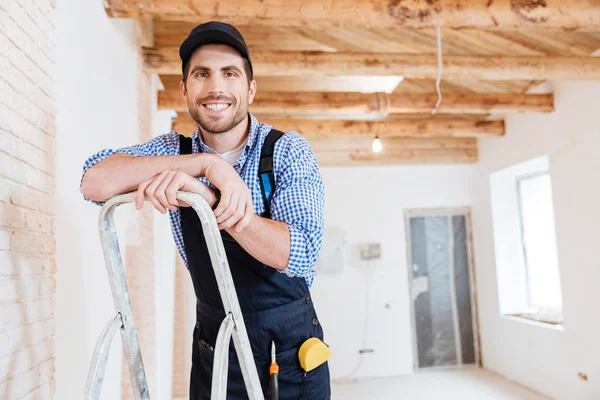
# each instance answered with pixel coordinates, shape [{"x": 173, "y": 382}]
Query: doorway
[{"x": 441, "y": 288}]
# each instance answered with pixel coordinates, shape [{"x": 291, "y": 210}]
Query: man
[{"x": 271, "y": 223}]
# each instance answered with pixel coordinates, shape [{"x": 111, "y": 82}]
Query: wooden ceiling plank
[
  {"x": 528, "y": 40},
  {"x": 257, "y": 37},
  {"x": 333, "y": 40},
  {"x": 515, "y": 42},
  {"x": 408, "y": 41},
  {"x": 481, "y": 42},
  {"x": 563, "y": 44}
]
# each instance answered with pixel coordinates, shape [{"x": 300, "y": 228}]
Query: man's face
[{"x": 217, "y": 91}]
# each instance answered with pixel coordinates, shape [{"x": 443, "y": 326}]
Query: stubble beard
[{"x": 218, "y": 125}]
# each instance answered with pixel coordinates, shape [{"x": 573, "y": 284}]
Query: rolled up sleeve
[
  {"x": 163, "y": 145},
  {"x": 299, "y": 201}
]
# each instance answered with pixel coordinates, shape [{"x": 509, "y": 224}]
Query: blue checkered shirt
[{"x": 298, "y": 198}]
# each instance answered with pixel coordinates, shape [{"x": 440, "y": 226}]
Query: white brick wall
[{"x": 27, "y": 245}]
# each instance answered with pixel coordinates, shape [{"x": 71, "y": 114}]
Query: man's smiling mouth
[{"x": 217, "y": 106}]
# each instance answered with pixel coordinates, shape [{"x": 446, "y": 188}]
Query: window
[{"x": 525, "y": 242}]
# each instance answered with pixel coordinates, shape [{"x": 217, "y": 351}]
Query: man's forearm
[
  {"x": 122, "y": 173},
  {"x": 266, "y": 240}
]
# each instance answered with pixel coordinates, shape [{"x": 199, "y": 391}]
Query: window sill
[{"x": 531, "y": 320}]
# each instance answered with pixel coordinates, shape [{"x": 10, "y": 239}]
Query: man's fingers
[
  {"x": 230, "y": 210},
  {"x": 141, "y": 194},
  {"x": 223, "y": 203},
  {"x": 191, "y": 184},
  {"x": 151, "y": 190},
  {"x": 161, "y": 191},
  {"x": 176, "y": 184},
  {"x": 236, "y": 216},
  {"x": 244, "y": 222}
]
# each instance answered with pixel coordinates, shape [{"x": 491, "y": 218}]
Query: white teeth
[{"x": 216, "y": 107}]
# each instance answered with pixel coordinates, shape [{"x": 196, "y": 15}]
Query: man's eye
[
  {"x": 230, "y": 74},
  {"x": 201, "y": 75}
]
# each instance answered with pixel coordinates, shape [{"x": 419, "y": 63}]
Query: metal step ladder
[{"x": 232, "y": 325}]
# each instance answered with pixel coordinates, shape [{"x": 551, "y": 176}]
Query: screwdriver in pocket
[{"x": 274, "y": 371}]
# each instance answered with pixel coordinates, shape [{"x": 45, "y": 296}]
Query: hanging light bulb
[{"x": 377, "y": 146}]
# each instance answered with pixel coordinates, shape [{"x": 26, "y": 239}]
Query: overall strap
[
  {"x": 185, "y": 145},
  {"x": 265, "y": 169}
]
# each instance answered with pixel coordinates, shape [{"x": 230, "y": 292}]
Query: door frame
[{"x": 448, "y": 212}]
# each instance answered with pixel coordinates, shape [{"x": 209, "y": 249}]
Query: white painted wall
[
  {"x": 369, "y": 204},
  {"x": 164, "y": 275},
  {"x": 544, "y": 359},
  {"x": 97, "y": 107}
]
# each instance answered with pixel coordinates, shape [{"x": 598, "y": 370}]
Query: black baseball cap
[{"x": 213, "y": 32}]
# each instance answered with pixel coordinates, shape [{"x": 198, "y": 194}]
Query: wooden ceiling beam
[
  {"x": 360, "y": 84},
  {"x": 419, "y": 128},
  {"x": 396, "y": 157},
  {"x": 328, "y": 104},
  {"x": 372, "y": 84},
  {"x": 166, "y": 60},
  {"x": 356, "y": 150},
  {"x": 568, "y": 14},
  {"x": 352, "y": 143}
]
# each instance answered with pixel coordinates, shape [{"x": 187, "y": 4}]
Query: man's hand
[
  {"x": 162, "y": 191},
  {"x": 235, "y": 207}
]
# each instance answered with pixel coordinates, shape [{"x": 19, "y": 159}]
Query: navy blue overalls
[{"x": 275, "y": 308}]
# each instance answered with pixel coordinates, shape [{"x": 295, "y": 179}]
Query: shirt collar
[{"x": 252, "y": 138}]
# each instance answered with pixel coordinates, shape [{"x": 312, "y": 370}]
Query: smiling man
[{"x": 267, "y": 195}]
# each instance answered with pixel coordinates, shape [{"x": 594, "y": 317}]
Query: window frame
[
  {"x": 513, "y": 269},
  {"x": 518, "y": 180}
]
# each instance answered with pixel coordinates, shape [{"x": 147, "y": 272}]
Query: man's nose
[{"x": 216, "y": 85}]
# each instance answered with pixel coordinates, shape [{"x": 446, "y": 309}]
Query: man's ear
[
  {"x": 183, "y": 90},
  {"x": 252, "y": 91}
]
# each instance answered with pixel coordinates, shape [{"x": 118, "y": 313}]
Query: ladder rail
[
  {"x": 118, "y": 284},
  {"x": 232, "y": 326},
  {"x": 100, "y": 358},
  {"x": 231, "y": 305},
  {"x": 221, "y": 360}
]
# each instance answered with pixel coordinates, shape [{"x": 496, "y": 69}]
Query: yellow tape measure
[{"x": 313, "y": 353}]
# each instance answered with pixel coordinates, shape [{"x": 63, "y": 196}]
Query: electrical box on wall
[
  {"x": 370, "y": 251},
  {"x": 331, "y": 258}
]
